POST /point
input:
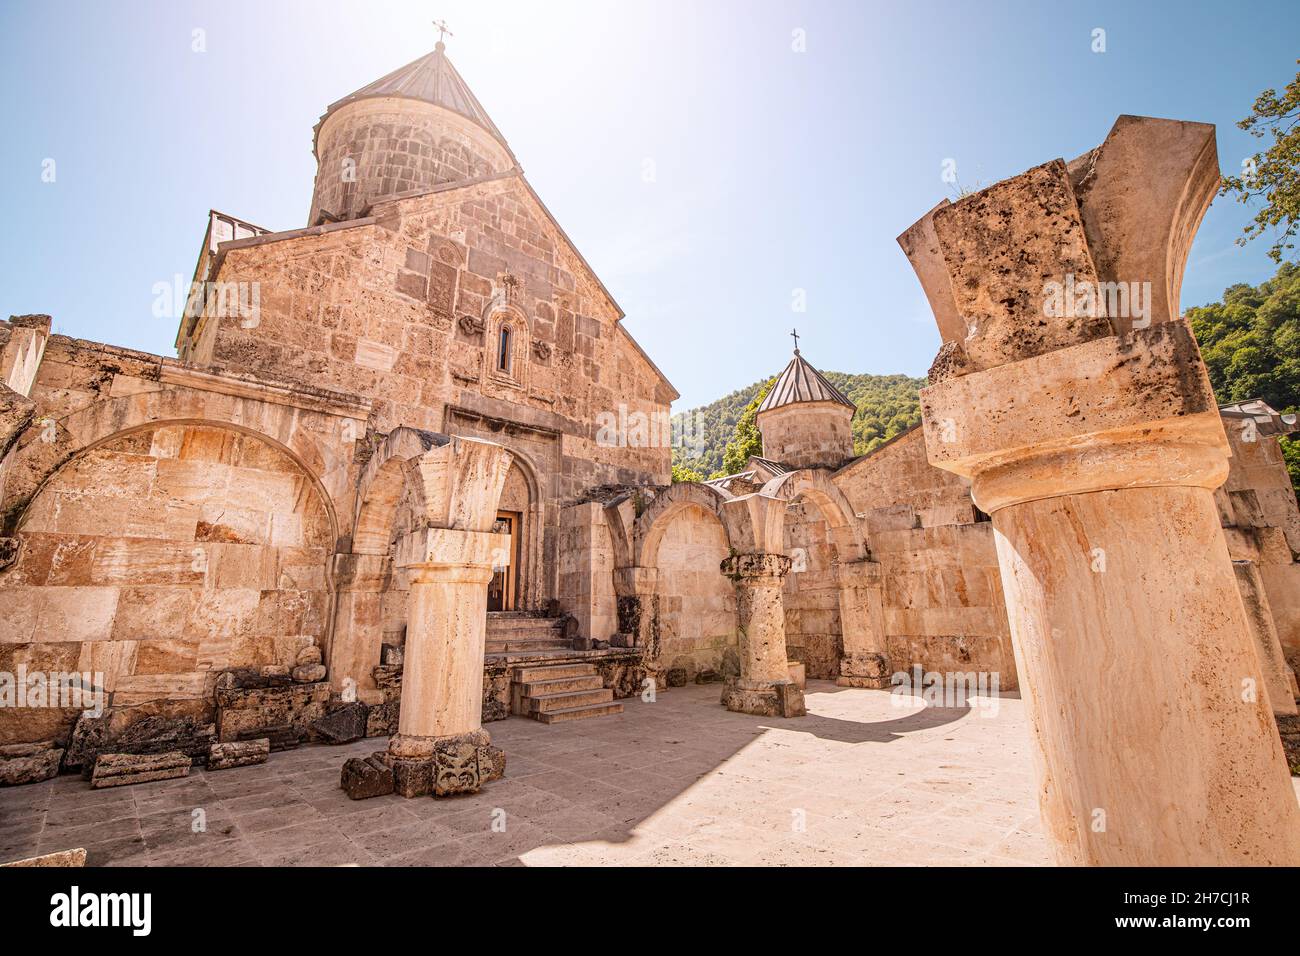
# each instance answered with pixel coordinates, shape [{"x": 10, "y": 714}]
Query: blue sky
[{"x": 704, "y": 168}]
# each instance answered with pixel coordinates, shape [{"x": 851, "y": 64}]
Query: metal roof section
[
  {"x": 800, "y": 382},
  {"x": 1268, "y": 420},
  {"x": 430, "y": 79}
]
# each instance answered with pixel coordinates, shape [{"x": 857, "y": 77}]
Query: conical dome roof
[
  {"x": 800, "y": 382},
  {"x": 430, "y": 79}
]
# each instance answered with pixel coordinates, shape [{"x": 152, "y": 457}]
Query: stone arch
[
  {"x": 164, "y": 553},
  {"x": 383, "y": 482},
  {"x": 829, "y": 616},
  {"x": 816, "y": 486},
  {"x": 413, "y": 482},
  {"x": 684, "y": 537},
  {"x": 534, "y": 587},
  {"x": 48, "y": 445},
  {"x": 650, "y": 525}
]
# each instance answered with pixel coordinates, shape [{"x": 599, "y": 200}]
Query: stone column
[
  {"x": 440, "y": 746},
  {"x": 451, "y": 487},
  {"x": 359, "y": 581},
  {"x": 862, "y": 626},
  {"x": 764, "y": 686},
  {"x": 1092, "y": 438}
]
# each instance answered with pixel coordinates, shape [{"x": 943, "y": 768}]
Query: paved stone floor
[{"x": 859, "y": 781}]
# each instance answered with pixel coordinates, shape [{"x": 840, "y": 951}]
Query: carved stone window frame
[{"x": 502, "y": 316}]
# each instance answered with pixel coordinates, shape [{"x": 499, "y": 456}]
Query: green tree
[
  {"x": 1273, "y": 174},
  {"x": 683, "y": 473},
  {"x": 1251, "y": 345},
  {"x": 747, "y": 439}
]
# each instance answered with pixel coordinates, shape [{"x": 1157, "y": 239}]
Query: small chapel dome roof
[{"x": 800, "y": 382}]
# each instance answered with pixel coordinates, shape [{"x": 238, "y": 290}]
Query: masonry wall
[
  {"x": 383, "y": 145},
  {"x": 811, "y": 594},
  {"x": 586, "y": 570},
  {"x": 942, "y": 589},
  {"x": 696, "y": 603},
  {"x": 406, "y": 309},
  {"x": 1257, "y": 506},
  {"x": 160, "y": 558}
]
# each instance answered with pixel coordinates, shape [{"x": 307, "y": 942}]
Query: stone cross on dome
[{"x": 441, "y": 27}]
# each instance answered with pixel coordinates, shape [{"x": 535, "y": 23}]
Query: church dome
[
  {"x": 806, "y": 422},
  {"x": 800, "y": 382},
  {"x": 418, "y": 127}
]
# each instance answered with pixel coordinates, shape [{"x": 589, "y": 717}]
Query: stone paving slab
[{"x": 859, "y": 781}]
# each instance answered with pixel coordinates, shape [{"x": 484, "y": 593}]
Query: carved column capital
[
  {"x": 1126, "y": 411},
  {"x": 447, "y": 555},
  {"x": 756, "y": 570}
]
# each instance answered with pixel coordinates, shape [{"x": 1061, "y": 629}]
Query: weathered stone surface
[
  {"x": 308, "y": 673},
  {"x": 252, "y": 711},
  {"x": 63, "y": 858},
  {"x": 779, "y": 699},
  {"x": 89, "y": 735},
  {"x": 1001, "y": 245},
  {"x": 122, "y": 732},
  {"x": 308, "y": 655},
  {"x": 238, "y": 754},
  {"x": 37, "y": 762},
  {"x": 344, "y": 723},
  {"x": 381, "y": 721},
  {"x": 456, "y": 764},
  {"x": 1096, "y": 455},
  {"x": 282, "y": 737},
  {"x": 117, "y": 770},
  {"x": 365, "y": 777},
  {"x": 677, "y": 677},
  {"x": 412, "y": 777}
]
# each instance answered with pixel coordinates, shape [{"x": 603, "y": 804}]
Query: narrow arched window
[{"x": 503, "y": 350}]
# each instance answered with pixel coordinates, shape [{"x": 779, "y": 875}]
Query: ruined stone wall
[
  {"x": 696, "y": 603},
  {"x": 811, "y": 593},
  {"x": 161, "y": 558},
  {"x": 942, "y": 589},
  {"x": 585, "y": 560},
  {"x": 1257, "y": 506},
  {"x": 169, "y": 523}
]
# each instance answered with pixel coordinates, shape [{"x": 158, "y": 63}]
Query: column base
[
  {"x": 865, "y": 670},
  {"x": 424, "y": 766},
  {"x": 764, "y": 698}
]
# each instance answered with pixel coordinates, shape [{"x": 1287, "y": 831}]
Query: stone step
[
  {"x": 516, "y": 624},
  {"x": 561, "y": 685},
  {"x": 523, "y": 645},
  {"x": 578, "y": 713},
  {"x": 528, "y": 675},
  {"x": 550, "y": 703}
]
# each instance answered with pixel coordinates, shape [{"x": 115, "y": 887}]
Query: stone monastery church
[{"x": 369, "y": 497}]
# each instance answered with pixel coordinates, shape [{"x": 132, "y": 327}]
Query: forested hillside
[
  {"x": 887, "y": 405},
  {"x": 1251, "y": 345}
]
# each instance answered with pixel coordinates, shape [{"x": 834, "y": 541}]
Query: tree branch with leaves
[{"x": 1274, "y": 174}]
